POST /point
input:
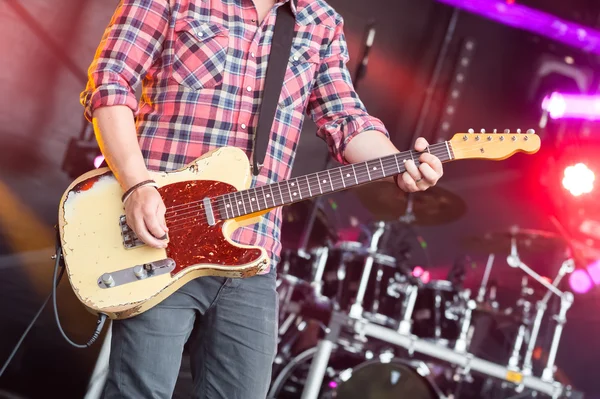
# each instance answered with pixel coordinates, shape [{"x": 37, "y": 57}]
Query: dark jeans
[{"x": 232, "y": 329}]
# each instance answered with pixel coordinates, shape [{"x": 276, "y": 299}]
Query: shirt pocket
[
  {"x": 299, "y": 77},
  {"x": 200, "y": 51}
]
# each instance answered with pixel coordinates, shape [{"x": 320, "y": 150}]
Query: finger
[
  {"x": 144, "y": 234},
  {"x": 430, "y": 177},
  {"x": 432, "y": 161},
  {"x": 160, "y": 214},
  {"x": 412, "y": 170},
  {"x": 421, "y": 144},
  {"x": 153, "y": 225},
  {"x": 409, "y": 183}
]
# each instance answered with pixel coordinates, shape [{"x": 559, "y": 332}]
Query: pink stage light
[
  {"x": 578, "y": 179},
  {"x": 98, "y": 161},
  {"x": 594, "y": 272},
  {"x": 572, "y": 106},
  {"x": 417, "y": 271},
  {"x": 580, "y": 281},
  {"x": 426, "y": 277}
]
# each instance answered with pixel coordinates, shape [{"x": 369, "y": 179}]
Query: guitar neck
[{"x": 309, "y": 186}]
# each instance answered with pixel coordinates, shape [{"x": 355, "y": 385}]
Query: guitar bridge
[
  {"x": 136, "y": 273},
  {"x": 130, "y": 240}
]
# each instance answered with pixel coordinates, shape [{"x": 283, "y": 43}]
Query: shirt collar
[{"x": 292, "y": 5}]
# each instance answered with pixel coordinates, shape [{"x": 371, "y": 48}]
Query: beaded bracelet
[{"x": 128, "y": 193}]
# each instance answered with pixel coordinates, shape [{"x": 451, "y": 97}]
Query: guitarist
[{"x": 201, "y": 65}]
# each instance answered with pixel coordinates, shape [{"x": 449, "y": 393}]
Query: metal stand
[
  {"x": 98, "y": 378},
  {"x": 413, "y": 344},
  {"x": 356, "y": 310},
  {"x": 485, "y": 279}
]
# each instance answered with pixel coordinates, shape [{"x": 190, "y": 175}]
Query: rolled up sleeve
[
  {"x": 334, "y": 105},
  {"x": 130, "y": 45}
]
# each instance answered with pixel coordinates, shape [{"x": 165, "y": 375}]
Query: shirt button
[
  {"x": 296, "y": 58},
  {"x": 252, "y": 54},
  {"x": 243, "y": 125},
  {"x": 248, "y": 88},
  {"x": 200, "y": 34}
]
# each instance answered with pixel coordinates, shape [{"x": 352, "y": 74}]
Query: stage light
[
  {"x": 594, "y": 272},
  {"x": 426, "y": 277},
  {"x": 417, "y": 271},
  {"x": 580, "y": 281},
  {"x": 578, "y": 179},
  {"x": 572, "y": 106}
]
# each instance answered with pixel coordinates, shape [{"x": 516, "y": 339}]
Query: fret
[
  {"x": 299, "y": 188},
  {"x": 280, "y": 193},
  {"x": 448, "y": 149},
  {"x": 264, "y": 198},
  {"x": 382, "y": 168},
  {"x": 308, "y": 184},
  {"x": 354, "y": 171},
  {"x": 330, "y": 181},
  {"x": 412, "y": 157},
  {"x": 243, "y": 201},
  {"x": 289, "y": 191},
  {"x": 368, "y": 172},
  {"x": 272, "y": 196},
  {"x": 342, "y": 176},
  {"x": 250, "y": 199},
  {"x": 225, "y": 205},
  {"x": 428, "y": 150},
  {"x": 397, "y": 163},
  {"x": 319, "y": 181},
  {"x": 237, "y": 204}
]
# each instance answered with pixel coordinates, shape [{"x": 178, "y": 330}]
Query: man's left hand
[{"x": 426, "y": 175}]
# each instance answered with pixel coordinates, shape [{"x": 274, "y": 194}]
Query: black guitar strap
[{"x": 283, "y": 34}]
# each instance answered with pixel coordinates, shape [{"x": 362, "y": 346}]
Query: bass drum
[{"x": 351, "y": 376}]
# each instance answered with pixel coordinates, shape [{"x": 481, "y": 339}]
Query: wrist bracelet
[{"x": 133, "y": 188}]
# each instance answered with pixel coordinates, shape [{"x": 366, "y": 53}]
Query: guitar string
[
  {"x": 441, "y": 146},
  {"x": 302, "y": 186},
  {"x": 200, "y": 216},
  {"x": 389, "y": 161},
  {"x": 312, "y": 175}
]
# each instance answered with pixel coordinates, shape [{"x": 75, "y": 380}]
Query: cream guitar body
[
  {"x": 94, "y": 243},
  {"x": 114, "y": 273}
]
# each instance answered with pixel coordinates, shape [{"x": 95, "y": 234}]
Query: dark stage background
[{"x": 46, "y": 47}]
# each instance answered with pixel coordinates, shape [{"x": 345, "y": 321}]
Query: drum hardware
[
  {"x": 567, "y": 267},
  {"x": 356, "y": 309},
  {"x": 417, "y": 345},
  {"x": 485, "y": 279}
]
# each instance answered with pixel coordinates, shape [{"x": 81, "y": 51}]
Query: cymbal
[
  {"x": 294, "y": 222},
  {"x": 431, "y": 207},
  {"x": 527, "y": 240}
]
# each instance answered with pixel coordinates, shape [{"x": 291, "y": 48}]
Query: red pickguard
[{"x": 191, "y": 239}]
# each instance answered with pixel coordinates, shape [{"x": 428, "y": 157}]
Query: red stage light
[{"x": 578, "y": 179}]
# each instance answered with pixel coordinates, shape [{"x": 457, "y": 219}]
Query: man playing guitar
[{"x": 202, "y": 66}]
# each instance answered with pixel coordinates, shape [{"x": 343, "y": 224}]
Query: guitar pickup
[{"x": 136, "y": 273}]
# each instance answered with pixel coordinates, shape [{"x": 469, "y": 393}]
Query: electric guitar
[{"x": 113, "y": 272}]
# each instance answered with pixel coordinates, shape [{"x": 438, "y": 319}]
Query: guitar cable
[{"x": 56, "y": 278}]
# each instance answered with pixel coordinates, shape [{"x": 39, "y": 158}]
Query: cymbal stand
[
  {"x": 566, "y": 300},
  {"x": 409, "y": 216},
  {"x": 567, "y": 267},
  {"x": 485, "y": 279},
  {"x": 513, "y": 362},
  {"x": 322, "y": 254},
  {"x": 356, "y": 310}
]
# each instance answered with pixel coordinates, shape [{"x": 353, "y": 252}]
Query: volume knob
[
  {"x": 108, "y": 280},
  {"x": 140, "y": 272}
]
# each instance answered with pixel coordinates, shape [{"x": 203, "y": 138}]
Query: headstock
[{"x": 494, "y": 145}]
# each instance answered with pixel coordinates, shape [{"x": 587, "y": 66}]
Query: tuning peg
[
  {"x": 471, "y": 131},
  {"x": 530, "y": 131},
  {"x": 482, "y": 130},
  {"x": 507, "y": 131},
  {"x": 495, "y": 130},
  {"x": 518, "y": 130}
]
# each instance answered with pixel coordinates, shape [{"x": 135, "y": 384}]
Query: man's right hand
[{"x": 145, "y": 212}]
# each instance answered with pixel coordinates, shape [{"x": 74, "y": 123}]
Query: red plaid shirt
[{"x": 202, "y": 66}]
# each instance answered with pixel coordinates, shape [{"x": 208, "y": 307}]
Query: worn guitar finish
[
  {"x": 93, "y": 242},
  {"x": 114, "y": 273}
]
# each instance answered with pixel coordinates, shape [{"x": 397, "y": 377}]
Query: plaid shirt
[{"x": 202, "y": 66}]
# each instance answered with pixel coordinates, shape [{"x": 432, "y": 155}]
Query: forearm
[
  {"x": 116, "y": 134},
  {"x": 369, "y": 145}
]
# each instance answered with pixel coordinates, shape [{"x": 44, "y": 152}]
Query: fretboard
[{"x": 326, "y": 182}]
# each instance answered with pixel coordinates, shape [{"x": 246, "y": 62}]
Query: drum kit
[{"x": 357, "y": 322}]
